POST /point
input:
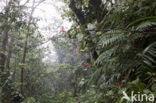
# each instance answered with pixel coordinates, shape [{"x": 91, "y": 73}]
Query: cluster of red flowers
[
  {"x": 85, "y": 64},
  {"x": 77, "y": 29},
  {"x": 118, "y": 84},
  {"x": 79, "y": 51},
  {"x": 131, "y": 38},
  {"x": 63, "y": 31}
]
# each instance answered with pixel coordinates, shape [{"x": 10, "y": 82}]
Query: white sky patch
[{"x": 51, "y": 23}]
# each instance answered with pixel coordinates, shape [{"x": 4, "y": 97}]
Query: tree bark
[{"x": 78, "y": 12}]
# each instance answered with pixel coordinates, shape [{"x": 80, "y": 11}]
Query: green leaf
[
  {"x": 141, "y": 19},
  {"x": 153, "y": 87}
]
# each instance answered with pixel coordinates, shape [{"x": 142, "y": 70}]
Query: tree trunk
[
  {"x": 82, "y": 20},
  {"x": 5, "y": 89},
  {"x": 2, "y": 65},
  {"x": 3, "y": 49},
  {"x": 25, "y": 45},
  {"x": 14, "y": 73},
  {"x": 23, "y": 61},
  {"x": 8, "y": 58}
]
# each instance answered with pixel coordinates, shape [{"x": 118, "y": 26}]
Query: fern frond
[
  {"x": 111, "y": 37},
  {"x": 95, "y": 77},
  {"x": 140, "y": 20},
  {"x": 145, "y": 25},
  {"x": 151, "y": 46},
  {"x": 113, "y": 40},
  {"x": 149, "y": 54},
  {"x": 105, "y": 55}
]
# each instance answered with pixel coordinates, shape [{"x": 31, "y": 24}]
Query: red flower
[
  {"x": 131, "y": 38},
  {"x": 77, "y": 29},
  {"x": 118, "y": 84},
  {"x": 79, "y": 51},
  {"x": 63, "y": 31},
  {"x": 85, "y": 64}
]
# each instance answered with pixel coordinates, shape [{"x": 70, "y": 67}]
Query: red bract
[
  {"x": 63, "y": 31},
  {"x": 85, "y": 64},
  {"x": 77, "y": 29},
  {"x": 118, "y": 84},
  {"x": 131, "y": 38}
]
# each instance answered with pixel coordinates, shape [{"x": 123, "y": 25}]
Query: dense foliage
[
  {"x": 120, "y": 36},
  {"x": 109, "y": 50}
]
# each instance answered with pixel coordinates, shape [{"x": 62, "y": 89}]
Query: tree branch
[{"x": 77, "y": 12}]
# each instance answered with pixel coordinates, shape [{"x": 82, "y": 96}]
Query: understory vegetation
[{"x": 109, "y": 50}]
